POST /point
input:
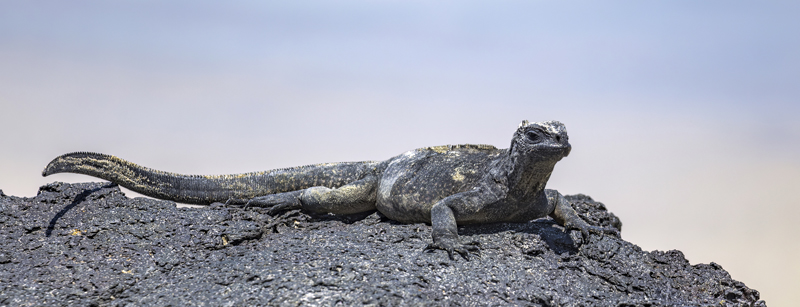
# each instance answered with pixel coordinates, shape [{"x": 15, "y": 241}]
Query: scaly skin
[{"x": 444, "y": 185}]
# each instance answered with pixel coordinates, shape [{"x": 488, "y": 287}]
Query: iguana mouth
[
  {"x": 553, "y": 151},
  {"x": 550, "y": 149},
  {"x": 567, "y": 150}
]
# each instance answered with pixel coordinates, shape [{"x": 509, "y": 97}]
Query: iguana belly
[{"x": 414, "y": 181}]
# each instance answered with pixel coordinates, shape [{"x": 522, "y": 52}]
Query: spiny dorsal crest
[
  {"x": 552, "y": 126},
  {"x": 446, "y": 148}
]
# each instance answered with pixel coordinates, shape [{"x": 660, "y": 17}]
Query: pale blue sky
[{"x": 683, "y": 115}]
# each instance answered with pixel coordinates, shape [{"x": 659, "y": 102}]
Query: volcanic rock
[{"x": 87, "y": 244}]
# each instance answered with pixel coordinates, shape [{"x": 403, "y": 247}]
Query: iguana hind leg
[
  {"x": 355, "y": 197},
  {"x": 275, "y": 202}
]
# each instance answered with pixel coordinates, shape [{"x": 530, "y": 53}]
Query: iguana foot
[
  {"x": 275, "y": 202},
  {"x": 453, "y": 245},
  {"x": 565, "y": 215}
]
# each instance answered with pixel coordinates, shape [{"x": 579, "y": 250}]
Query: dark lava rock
[{"x": 87, "y": 244}]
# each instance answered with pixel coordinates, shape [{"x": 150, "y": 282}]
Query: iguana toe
[
  {"x": 278, "y": 208},
  {"x": 275, "y": 203},
  {"x": 450, "y": 246}
]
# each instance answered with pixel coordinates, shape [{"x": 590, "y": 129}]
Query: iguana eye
[{"x": 533, "y": 136}]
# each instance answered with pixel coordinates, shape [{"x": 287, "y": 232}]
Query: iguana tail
[{"x": 203, "y": 190}]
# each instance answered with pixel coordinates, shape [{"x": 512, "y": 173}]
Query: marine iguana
[{"x": 444, "y": 185}]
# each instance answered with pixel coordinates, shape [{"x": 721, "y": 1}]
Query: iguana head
[{"x": 541, "y": 141}]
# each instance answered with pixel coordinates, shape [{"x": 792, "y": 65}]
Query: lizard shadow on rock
[
  {"x": 78, "y": 199},
  {"x": 347, "y": 218},
  {"x": 546, "y": 229}
]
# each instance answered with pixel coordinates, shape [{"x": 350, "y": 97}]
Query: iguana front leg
[
  {"x": 445, "y": 233},
  {"x": 565, "y": 215},
  {"x": 443, "y": 218},
  {"x": 355, "y": 197}
]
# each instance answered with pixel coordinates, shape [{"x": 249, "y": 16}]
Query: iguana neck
[{"x": 523, "y": 176}]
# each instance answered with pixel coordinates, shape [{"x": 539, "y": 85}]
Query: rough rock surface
[{"x": 87, "y": 244}]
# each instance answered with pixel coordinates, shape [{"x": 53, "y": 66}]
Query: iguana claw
[{"x": 451, "y": 246}]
